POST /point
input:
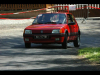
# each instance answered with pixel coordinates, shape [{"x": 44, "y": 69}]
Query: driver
[
  {"x": 54, "y": 18},
  {"x": 61, "y": 19}
]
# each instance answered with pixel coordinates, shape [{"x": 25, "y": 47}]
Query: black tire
[
  {"x": 27, "y": 45},
  {"x": 77, "y": 41},
  {"x": 64, "y": 44}
]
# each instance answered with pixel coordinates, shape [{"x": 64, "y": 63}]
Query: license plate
[{"x": 41, "y": 37}]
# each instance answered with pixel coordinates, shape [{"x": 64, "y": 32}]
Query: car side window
[
  {"x": 73, "y": 18},
  {"x": 70, "y": 18}
]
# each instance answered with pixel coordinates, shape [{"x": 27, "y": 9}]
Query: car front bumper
[{"x": 53, "y": 38}]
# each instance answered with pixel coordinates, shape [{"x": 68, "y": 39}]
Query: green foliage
[{"x": 93, "y": 54}]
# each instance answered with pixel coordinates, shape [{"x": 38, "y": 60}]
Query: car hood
[{"x": 45, "y": 26}]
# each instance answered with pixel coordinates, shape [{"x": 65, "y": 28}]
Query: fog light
[
  {"x": 26, "y": 39},
  {"x": 57, "y": 39}
]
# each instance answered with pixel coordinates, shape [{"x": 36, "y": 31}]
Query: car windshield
[{"x": 50, "y": 19}]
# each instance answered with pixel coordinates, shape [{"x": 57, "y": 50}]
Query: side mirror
[{"x": 72, "y": 23}]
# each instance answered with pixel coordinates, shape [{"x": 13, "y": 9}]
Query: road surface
[{"x": 50, "y": 57}]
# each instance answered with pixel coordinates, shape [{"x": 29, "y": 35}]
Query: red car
[{"x": 49, "y": 28}]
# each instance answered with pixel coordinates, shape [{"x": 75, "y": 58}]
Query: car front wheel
[
  {"x": 27, "y": 45},
  {"x": 77, "y": 41},
  {"x": 64, "y": 44}
]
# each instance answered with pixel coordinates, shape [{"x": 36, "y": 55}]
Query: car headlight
[
  {"x": 57, "y": 31},
  {"x": 28, "y": 31}
]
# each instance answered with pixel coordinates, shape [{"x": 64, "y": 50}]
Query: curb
[
  {"x": 89, "y": 18},
  {"x": 93, "y": 18},
  {"x": 17, "y": 18},
  {"x": 15, "y": 21}
]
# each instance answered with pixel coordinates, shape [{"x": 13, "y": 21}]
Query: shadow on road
[
  {"x": 18, "y": 42},
  {"x": 50, "y": 57}
]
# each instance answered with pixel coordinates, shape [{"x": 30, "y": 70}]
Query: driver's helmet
[{"x": 54, "y": 18}]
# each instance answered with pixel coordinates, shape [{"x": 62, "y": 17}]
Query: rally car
[{"x": 47, "y": 28}]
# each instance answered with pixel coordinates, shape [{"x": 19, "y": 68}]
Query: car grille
[{"x": 41, "y": 31}]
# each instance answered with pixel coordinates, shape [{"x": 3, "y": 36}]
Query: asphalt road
[{"x": 50, "y": 57}]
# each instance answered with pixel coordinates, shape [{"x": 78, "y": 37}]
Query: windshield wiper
[
  {"x": 50, "y": 23},
  {"x": 38, "y": 23},
  {"x": 59, "y": 23}
]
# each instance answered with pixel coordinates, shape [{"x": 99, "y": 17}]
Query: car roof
[{"x": 57, "y": 13}]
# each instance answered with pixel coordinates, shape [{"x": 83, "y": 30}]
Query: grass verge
[{"x": 92, "y": 53}]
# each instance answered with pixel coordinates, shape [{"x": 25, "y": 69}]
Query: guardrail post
[
  {"x": 85, "y": 15},
  {"x": 88, "y": 13}
]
